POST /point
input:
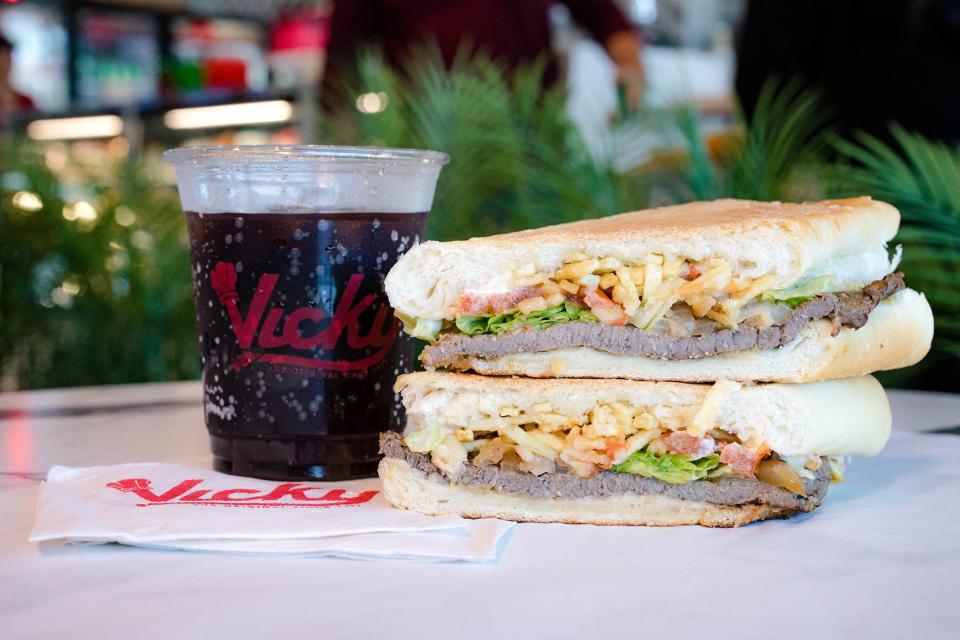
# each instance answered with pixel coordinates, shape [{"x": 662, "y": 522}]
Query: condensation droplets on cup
[{"x": 301, "y": 341}]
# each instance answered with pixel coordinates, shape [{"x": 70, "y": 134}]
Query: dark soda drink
[{"x": 300, "y": 350}]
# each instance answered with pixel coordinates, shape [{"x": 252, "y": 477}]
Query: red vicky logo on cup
[
  {"x": 286, "y": 494},
  {"x": 259, "y": 326}
]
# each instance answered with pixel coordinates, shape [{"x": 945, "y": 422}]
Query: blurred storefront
[
  {"x": 158, "y": 74},
  {"x": 146, "y": 75}
]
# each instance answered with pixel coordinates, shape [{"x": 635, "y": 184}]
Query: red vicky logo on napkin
[
  {"x": 100, "y": 504},
  {"x": 286, "y": 494}
]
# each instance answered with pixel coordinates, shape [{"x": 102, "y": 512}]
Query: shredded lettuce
[
  {"x": 896, "y": 257},
  {"x": 502, "y": 322},
  {"x": 669, "y": 467},
  {"x": 564, "y": 312},
  {"x": 420, "y": 327},
  {"x": 424, "y": 440},
  {"x": 863, "y": 266},
  {"x": 797, "y": 295},
  {"x": 838, "y": 467},
  {"x": 475, "y": 325},
  {"x": 472, "y": 325},
  {"x": 427, "y": 330}
]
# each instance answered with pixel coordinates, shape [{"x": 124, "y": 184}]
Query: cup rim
[{"x": 267, "y": 153}]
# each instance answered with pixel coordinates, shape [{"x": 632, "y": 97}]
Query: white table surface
[{"x": 551, "y": 580}]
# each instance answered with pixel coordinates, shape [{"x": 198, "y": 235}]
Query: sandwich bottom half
[
  {"x": 411, "y": 481},
  {"x": 620, "y": 452}
]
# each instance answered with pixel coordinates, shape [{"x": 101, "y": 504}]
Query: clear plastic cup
[{"x": 289, "y": 248}]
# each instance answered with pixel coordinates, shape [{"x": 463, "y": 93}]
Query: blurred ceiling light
[
  {"x": 71, "y": 286},
  {"x": 372, "y": 102},
  {"x": 643, "y": 11},
  {"x": 116, "y": 262},
  {"x": 61, "y": 298},
  {"x": 106, "y": 126},
  {"x": 80, "y": 211},
  {"x": 142, "y": 240},
  {"x": 27, "y": 201},
  {"x": 229, "y": 115},
  {"x": 125, "y": 216},
  {"x": 85, "y": 211}
]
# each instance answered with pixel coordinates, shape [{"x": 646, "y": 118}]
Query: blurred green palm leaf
[
  {"x": 772, "y": 155},
  {"x": 922, "y": 179},
  {"x": 516, "y": 160},
  {"x": 100, "y": 299}
]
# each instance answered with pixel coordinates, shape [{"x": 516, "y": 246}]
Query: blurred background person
[
  {"x": 877, "y": 62},
  {"x": 13, "y": 105},
  {"x": 514, "y": 33}
]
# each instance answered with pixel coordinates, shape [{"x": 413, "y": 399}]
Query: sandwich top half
[{"x": 698, "y": 292}]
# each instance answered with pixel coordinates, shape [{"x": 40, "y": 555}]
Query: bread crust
[
  {"x": 408, "y": 488},
  {"x": 897, "y": 334},
  {"x": 806, "y": 221},
  {"x": 782, "y": 239}
]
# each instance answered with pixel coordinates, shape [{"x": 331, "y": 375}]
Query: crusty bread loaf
[
  {"x": 786, "y": 240},
  {"x": 408, "y": 488},
  {"x": 897, "y": 334},
  {"x": 834, "y": 417}
]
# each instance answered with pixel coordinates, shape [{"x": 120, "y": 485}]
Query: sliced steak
[
  {"x": 847, "y": 309},
  {"x": 563, "y": 484}
]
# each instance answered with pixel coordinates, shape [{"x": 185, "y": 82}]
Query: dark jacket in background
[
  {"x": 513, "y": 31},
  {"x": 878, "y": 61}
]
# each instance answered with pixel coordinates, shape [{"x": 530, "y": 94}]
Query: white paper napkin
[{"x": 176, "y": 507}]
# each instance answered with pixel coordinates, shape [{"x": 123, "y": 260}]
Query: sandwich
[
  {"x": 625, "y": 451},
  {"x": 732, "y": 289}
]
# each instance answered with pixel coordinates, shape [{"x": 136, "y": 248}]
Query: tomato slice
[
  {"x": 690, "y": 446},
  {"x": 743, "y": 461},
  {"x": 476, "y": 303},
  {"x": 606, "y": 310}
]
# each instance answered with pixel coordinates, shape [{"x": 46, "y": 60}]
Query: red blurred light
[{"x": 17, "y": 451}]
